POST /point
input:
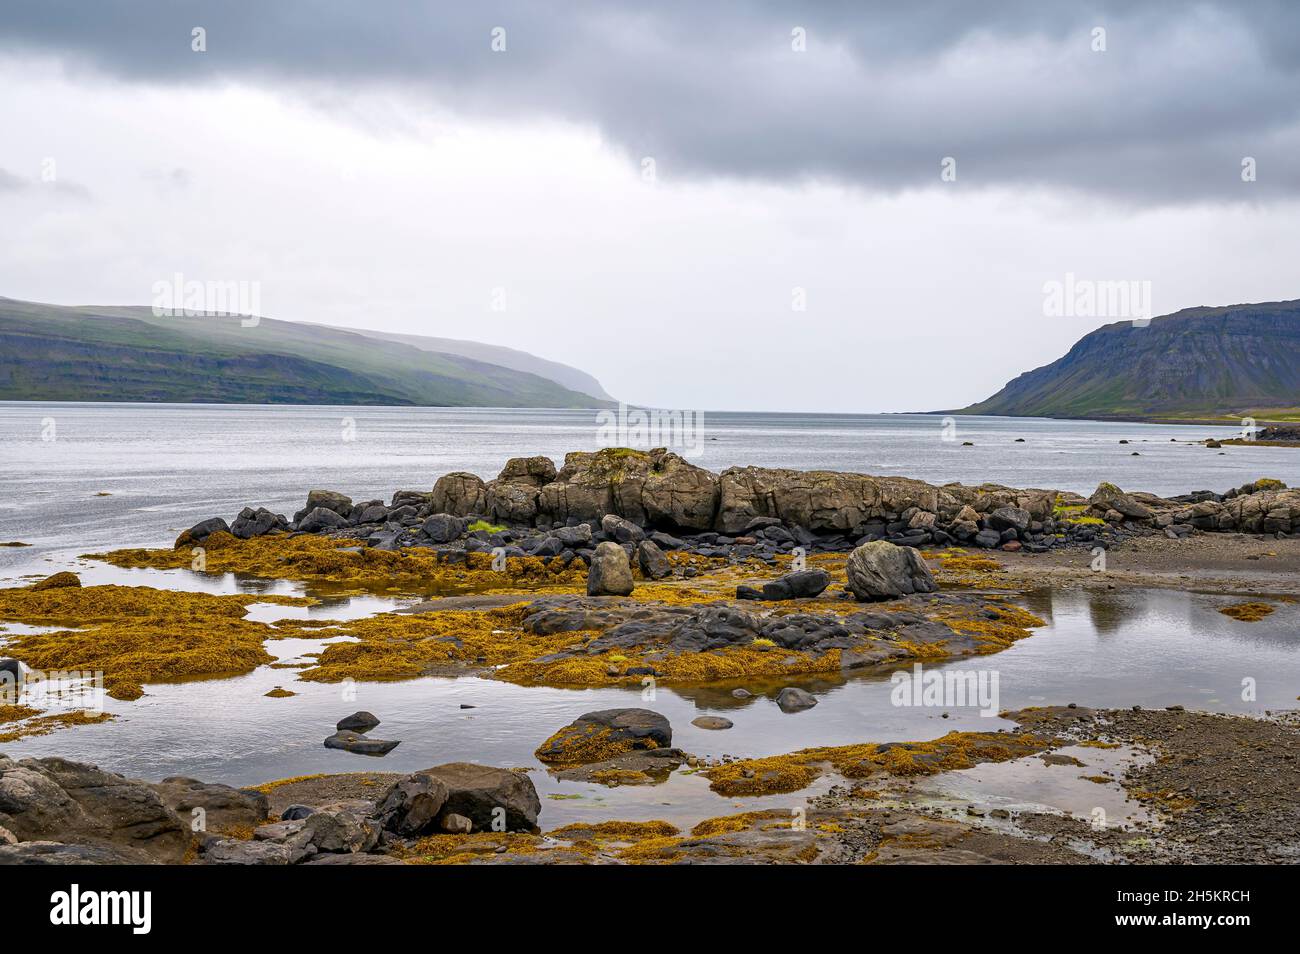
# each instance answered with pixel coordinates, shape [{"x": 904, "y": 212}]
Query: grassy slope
[
  {"x": 51, "y": 352},
  {"x": 1202, "y": 363}
]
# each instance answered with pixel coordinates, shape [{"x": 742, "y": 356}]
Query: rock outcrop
[{"x": 111, "y": 817}]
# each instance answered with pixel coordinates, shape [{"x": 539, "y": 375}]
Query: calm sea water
[{"x": 86, "y": 476}]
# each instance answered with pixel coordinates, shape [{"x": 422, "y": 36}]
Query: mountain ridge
[
  {"x": 127, "y": 353},
  {"x": 1202, "y": 362}
]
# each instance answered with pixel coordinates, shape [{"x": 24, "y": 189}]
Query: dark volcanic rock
[
  {"x": 802, "y": 584},
  {"x": 361, "y": 721},
  {"x": 358, "y": 744},
  {"x": 654, "y": 565}
]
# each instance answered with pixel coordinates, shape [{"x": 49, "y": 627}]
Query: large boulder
[
  {"x": 337, "y": 829},
  {"x": 52, "y": 799},
  {"x": 1009, "y": 518},
  {"x": 460, "y": 494},
  {"x": 489, "y": 797},
  {"x": 512, "y": 497},
  {"x": 321, "y": 518},
  {"x": 443, "y": 527},
  {"x": 610, "y": 573},
  {"x": 654, "y": 565},
  {"x": 332, "y": 500},
  {"x": 597, "y": 736},
  {"x": 528, "y": 470},
  {"x": 620, "y": 529},
  {"x": 359, "y": 721},
  {"x": 1109, "y": 497},
  {"x": 882, "y": 571},
  {"x": 203, "y": 529},
  {"x": 219, "y": 807},
  {"x": 412, "y": 805}
]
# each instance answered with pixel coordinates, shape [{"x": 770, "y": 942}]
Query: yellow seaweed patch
[
  {"x": 135, "y": 635},
  {"x": 1247, "y": 612},
  {"x": 584, "y": 743},
  {"x": 45, "y": 724},
  {"x": 619, "y": 831},
  {"x": 732, "y": 823},
  {"x": 792, "y": 772},
  {"x": 344, "y": 561}
]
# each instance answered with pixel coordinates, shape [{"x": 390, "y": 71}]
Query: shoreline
[{"x": 768, "y": 576}]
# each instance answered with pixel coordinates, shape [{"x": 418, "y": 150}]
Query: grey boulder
[
  {"x": 610, "y": 573},
  {"x": 882, "y": 571}
]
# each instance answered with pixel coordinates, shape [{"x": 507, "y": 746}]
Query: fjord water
[
  {"x": 164, "y": 467},
  {"x": 132, "y": 475}
]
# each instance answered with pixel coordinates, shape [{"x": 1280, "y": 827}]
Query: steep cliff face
[{"x": 1200, "y": 361}]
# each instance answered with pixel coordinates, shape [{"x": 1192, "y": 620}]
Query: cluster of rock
[
  {"x": 53, "y": 811},
  {"x": 350, "y": 736},
  {"x": 864, "y": 638},
  {"x": 650, "y": 502}
]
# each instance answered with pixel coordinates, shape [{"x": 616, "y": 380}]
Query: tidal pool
[{"x": 1152, "y": 648}]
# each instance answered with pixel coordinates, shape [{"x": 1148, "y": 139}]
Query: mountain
[
  {"x": 572, "y": 378},
  {"x": 1234, "y": 361},
  {"x": 91, "y": 353}
]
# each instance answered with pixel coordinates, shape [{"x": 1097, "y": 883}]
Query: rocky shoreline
[
  {"x": 657, "y": 501},
  {"x": 619, "y": 568},
  {"x": 1189, "y": 780}
]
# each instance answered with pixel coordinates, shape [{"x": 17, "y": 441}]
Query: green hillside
[
  {"x": 88, "y": 353},
  {"x": 1230, "y": 362}
]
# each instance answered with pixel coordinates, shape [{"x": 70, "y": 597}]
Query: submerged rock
[
  {"x": 882, "y": 571},
  {"x": 791, "y": 699},
  {"x": 356, "y": 743},
  {"x": 712, "y": 722}
]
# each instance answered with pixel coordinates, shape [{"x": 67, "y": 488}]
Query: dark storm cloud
[{"x": 1012, "y": 90}]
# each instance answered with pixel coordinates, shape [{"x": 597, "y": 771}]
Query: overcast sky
[{"x": 383, "y": 166}]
